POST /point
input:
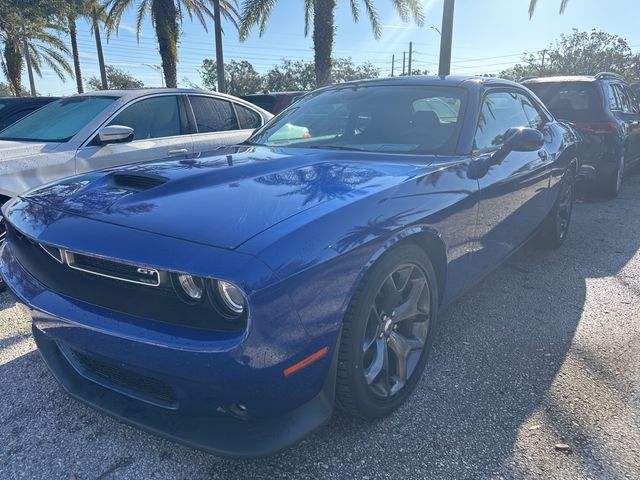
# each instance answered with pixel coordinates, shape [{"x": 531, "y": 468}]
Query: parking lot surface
[{"x": 533, "y": 374}]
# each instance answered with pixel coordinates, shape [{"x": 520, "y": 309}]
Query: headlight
[
  {"x": 222, "y": 296},
  {"x": 232, "y": 298},
  {"x": 190, "y": 289}
]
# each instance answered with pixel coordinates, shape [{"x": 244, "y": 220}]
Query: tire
[
  {"x": 381, "y": 320},
  {"x": 610, "y": 185},
  {"x": 556, "y": 225}
]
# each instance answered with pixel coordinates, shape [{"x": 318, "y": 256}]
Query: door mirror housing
[
  {"x": 523, "y": 139},
  {"x": 115, "y": 134}
]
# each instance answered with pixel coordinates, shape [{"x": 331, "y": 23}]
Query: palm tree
[
  {"x": 94, "y": 12},
  {"x": 166, "y": 17},
  {"x": 73, "y": 35},
  {"x": 534, "y": 3},
  {"x": 256, "y": 12},
  {"x": 42, "y": 47}
]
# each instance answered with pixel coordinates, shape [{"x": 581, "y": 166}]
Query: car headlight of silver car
[{"x": 223, "y": 296}]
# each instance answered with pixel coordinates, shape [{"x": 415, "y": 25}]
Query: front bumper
[{"x": 179, "y": 386}]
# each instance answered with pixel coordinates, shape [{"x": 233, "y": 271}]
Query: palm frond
[
  {"x": 374, "y": 17},
  {"x": 355, "y": 10},
  {"x": 255, "y": 12},
  {"x": 308, "y": 12}
]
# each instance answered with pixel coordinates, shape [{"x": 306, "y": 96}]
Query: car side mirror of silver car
[{"x": 115, "y": 134}]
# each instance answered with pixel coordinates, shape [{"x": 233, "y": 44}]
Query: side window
[
  {"x": 614, "y": 103},
  {"x": 635, "y": 105},
  {"x": 625, "y": 101},
  {"x": 247, "y": 118},
  {"x": 500, "y": 112},
  {"x": 154, "y": 117},
  {"x": 537, "y": 119},
  {"x": 213, "y": 114}
]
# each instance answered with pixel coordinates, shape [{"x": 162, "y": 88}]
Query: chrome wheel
[{"x": 396, "y": 330}]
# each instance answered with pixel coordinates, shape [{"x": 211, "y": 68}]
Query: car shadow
[{"x": 496, "y": 355}]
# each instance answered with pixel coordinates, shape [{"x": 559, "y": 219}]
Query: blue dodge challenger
[{"x": 229, "y": 299}]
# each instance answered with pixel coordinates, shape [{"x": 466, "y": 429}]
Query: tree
[
  {"x": 256, "y": 12},
  {"x": 534, "y": 3},
  {"x": 300, "y": 75},
  {"x": 240, "y": 77},
  {"x": 344, "y": 70},
  {"x": 116, "y": 80},
  {"x": 581, "y": 53},
  {"x": 166, "y": 17},
  {"x": 5, "y": 90},
  {"x": 94, "y": 12},
  {"x": 30, "y": 28},
  {"x": 291, "y": 75}
]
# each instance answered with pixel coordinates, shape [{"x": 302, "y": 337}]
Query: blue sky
[{"x": 489, "y": 35}]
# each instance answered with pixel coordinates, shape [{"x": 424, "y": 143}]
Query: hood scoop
[{"x": 136, "y": 182}]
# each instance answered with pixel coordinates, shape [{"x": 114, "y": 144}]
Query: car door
[
  {"x": 160, "y": 130},
  {"x": 220, "y": 122},
  {"x": 514, "y": 191}
]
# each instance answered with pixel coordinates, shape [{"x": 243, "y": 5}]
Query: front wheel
[
  {"x": 387, "y": 333},
  {"x": 556, "y": 225}
]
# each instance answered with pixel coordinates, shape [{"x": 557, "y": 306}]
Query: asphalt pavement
[{"x": 533, "y": 374}]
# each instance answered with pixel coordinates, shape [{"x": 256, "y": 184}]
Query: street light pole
[
  {"x": 446, "y": 38},
  {"x": 219, "y": 59}
]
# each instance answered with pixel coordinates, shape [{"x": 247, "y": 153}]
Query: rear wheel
[
  {"x": 556, "y": 225},
  {"x": 387, "y": 333},
  {"x": 611, "y": 184}
]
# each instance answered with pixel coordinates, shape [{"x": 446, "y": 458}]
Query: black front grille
[
  {"x": 116, "y": 270},
  {"x": 110, "y": 375},
  {"x": 159, "y": 303}
]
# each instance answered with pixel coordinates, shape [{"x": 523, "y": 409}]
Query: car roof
[
  {"x": 25, "y": 100},
  {"x": 130, "y": 94},
  {"x": 561, "y": 78},
  {"x": 435, "y": 80}
]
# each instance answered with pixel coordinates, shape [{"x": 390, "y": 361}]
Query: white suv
[{"x": 113, "y": 127}]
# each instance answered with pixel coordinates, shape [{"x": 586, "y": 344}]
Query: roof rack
[{"x": 605, "y": 75}]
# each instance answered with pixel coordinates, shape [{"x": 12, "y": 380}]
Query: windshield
[
  {"x": 394, "y": 119},
  {"x": 58, "y": 121}
]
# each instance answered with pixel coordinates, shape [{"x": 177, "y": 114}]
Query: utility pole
[
  {"x": 393, "y": 64},
  {"x": 446, "y": 38},
  {"x": 410, "y": 55},
  {"x": 219, "y": 59},
  {"x": 404, "y": 58},
  {"x": 27, "y": 57}
]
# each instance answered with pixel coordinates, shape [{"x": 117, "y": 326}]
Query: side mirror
[
  {"x": 523, "y": 139},
  {"x": 115, "y": 134}
]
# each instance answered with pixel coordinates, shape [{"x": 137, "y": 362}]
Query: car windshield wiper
[
  {"x": 335, "y": 147},
  {"x": 254, "y": 144}
]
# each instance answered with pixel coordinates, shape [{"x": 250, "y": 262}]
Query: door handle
[
  {"x": 178, "y": 151},
  {"x": 543, "y": 154}
]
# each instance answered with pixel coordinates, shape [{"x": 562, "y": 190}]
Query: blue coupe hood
[{"x": 226, "y": 198}]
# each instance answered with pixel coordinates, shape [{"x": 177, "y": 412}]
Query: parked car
[
  {"x": 274, "y": 102},
  {"x": 607, "y": 112},
  {"x": 115, "y": 127},
  {"x": 224, "y": 301},
  {"x": 13, "y": 109}
]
